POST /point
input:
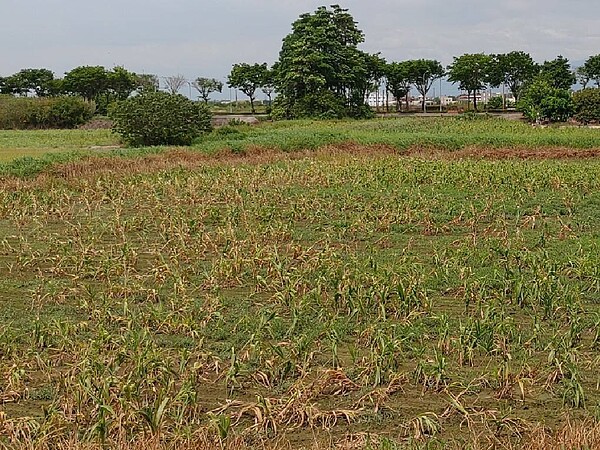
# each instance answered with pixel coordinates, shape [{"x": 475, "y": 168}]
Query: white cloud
[{"x": 202, "y": 37}]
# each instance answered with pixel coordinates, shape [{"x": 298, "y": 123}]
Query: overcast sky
[{"x": 205, "y": 37}]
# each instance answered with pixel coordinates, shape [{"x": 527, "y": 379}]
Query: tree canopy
[
  {"x": 86, "y": 81},
  {"x": 206, "y": 86},
  {"x": 558, "y": 73},
  {"x": 398, "y": 80},
  {"x": 423, "y": 73},
  {"x": 248, "y": 78},
  {"x": 590, "y": 71},
  {"x": 320, "y": 70},
  {"x": 471, "y": 71},
  {"x": 514, "y": 69}
]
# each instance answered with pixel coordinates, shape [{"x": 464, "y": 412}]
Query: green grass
[
  {"x": 34, "y": 143},
  {"x": 410, "y": 298},
  {"x": 441, "y": 133},
  {"x": 446, "y": 133}
]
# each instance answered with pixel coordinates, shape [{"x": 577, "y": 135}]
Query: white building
[{"x": 376, "y": 99}]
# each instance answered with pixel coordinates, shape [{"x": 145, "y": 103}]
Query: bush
[
  {"x": 68, "y": 112},
  {"x": 160, "y": 118},
  {"x": 587, "y": 105},
  {"x": 319, "y": 105},
  {"x": 495, "y": 103},
  {"x": 541, "y": 101},
  {"x": 49, "y": 112}
]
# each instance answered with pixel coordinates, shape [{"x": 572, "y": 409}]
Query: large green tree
[
  {"x": 268, "y": 84},
  {"x": 374, "y": 68},
  {"x": 398, "y": 81},
  {"x": 423, "y": 73},
  {"x": 147, "y": 82},
  {"x": 40, "y": 82},
  {"x": 206, "y": 86},
  {"x": 541, "y": 101},
  {"x": 121, "y": 82},
  {"x": 13, "y": 85},
  {"x": 248, "y": 78},
  {"x": 558, "y": 73},
  {"x": 590, "y": 71},
  {"x": 320, "y": 70},
  {"x": 471, "y": 71},
  {"x": 87, "y": 81},
  {"x": 514, "y": 69}
]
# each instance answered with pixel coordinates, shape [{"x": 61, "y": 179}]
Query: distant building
[
  {"x": 376, "y": 99},
  {"x": 484, "y": 97}
]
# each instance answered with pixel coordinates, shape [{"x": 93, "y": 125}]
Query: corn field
[{"x": 347, "y": 298}]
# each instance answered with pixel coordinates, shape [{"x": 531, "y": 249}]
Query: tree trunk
[
  {"x": 387, "y": 101},
  {"x": 252, "y": 105},
  {"x": 475, "y": 100}
]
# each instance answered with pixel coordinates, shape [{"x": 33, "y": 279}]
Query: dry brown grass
[
  {"x": 584, "y": 435},
  {"x": 92, "y": 167},
  {"x": 506, "y": 153}
]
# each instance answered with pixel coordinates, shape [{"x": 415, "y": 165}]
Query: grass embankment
[
  {"x": 344, "y": 297},
  {"x": 44, "y": 149}
]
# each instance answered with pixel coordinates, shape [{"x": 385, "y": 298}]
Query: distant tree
[
  {"x": 320, "y": 71},
  {"x": 374, "y": 67},
  {"x": 247, "y": 78},
  {"x": 558, "y": 73},
  {"x": 543, "y": 101},
  {"x": 398, "y": 81},
  {"x": 590, "y": 71},
  {"x": 423, "y": 73},
  {"x": 471, "y": 72},
  {"x": 147, "y": 82},
  {"x": 40, "y": 82},
  {"x": 13, "y": 85},
  {"x": 206, "y": 86},
  {"x": 268, "y": 84},
  {"x": 121, "y": 82},
  {"x": 87, "y": 81},
  {"x": 175, "y": 83},
  {"x": 587, "y": 105},
  {"x": 583, "y": 76},
  {"x": 514, "y": 69}
]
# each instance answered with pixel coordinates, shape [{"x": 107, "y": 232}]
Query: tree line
[{"x": 321, "y": 72}]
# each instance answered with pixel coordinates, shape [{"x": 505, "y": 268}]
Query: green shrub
[
  {"x": 160, "y": 118},
  {"x": 68, "y": 112},
  {"x": 587, "y": 105},
  {"x": 541, "y": 101},
  {"x": 48, "y": 112},
  {"x": 495, "y": 103},
  {"x": 323, "y": 105}
]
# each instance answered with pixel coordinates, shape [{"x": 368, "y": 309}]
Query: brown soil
[{"x": 97, "y": 124}]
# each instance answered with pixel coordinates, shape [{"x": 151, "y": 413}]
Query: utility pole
[{"x": 441, "y": 95}]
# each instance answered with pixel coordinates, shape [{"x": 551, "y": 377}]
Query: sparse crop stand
[{"x": 419, "y": 283}]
